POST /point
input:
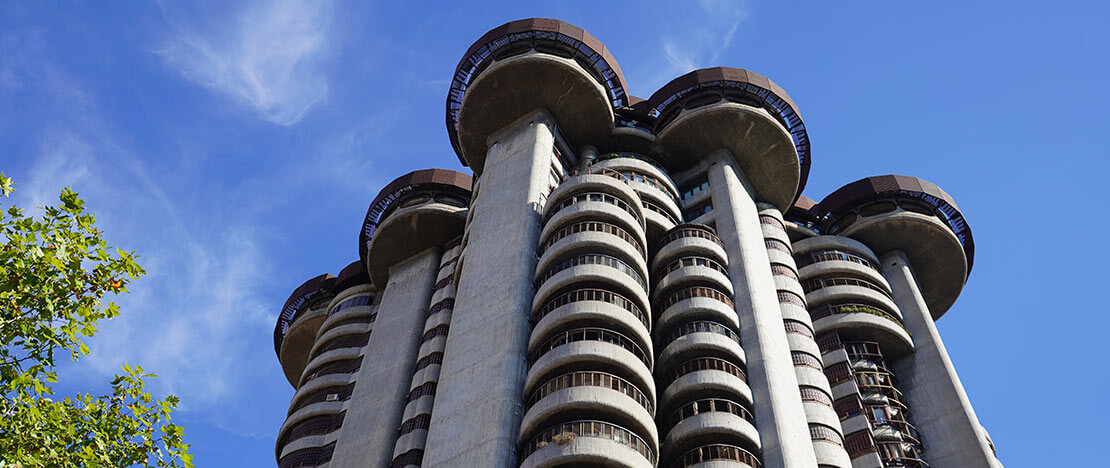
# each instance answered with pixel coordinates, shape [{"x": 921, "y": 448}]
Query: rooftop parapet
[
  {"x": 526, "y": 65},
  {"x": 421, "y": 209},
  {"x": 744, "y": 112},
  {"x": 916, "y": 216}
]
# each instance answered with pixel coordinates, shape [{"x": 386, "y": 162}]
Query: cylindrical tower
[
  {"x": 705, "y": 407},
  {"x": 318, "y": 408},
  {"x": 925, "y": 251},
  {"x": 589, "y": 395},
  {"x": 523, "y": 97},
  {"x": 298, "y": 324},
  {"x": 738, "y": 140}
]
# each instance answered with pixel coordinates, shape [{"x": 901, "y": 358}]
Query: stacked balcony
[
  {"x": 824, "y": 426},
  {"x": 657, "y": 192},
  {"x": 317, "y": 410},
  {"x": 589, "y": 396},
  {"x": 859, "y": 329},
  {"x": 705, "y": 408}
]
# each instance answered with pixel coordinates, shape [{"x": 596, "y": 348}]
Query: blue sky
[{"x": 236, "y": 145}]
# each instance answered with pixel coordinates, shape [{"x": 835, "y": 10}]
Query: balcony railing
[
  {"x": 700, "y": 364},
  {"x": 590, "y": 294},
  {"x": 810, "y": 258},
  {"x": 591, "y": 334},
  {"x": 708, "y": 453},
  {"x": 694, "y": 261},
  {"x": 592, "y": 259},
  {"x": 706, "y": 406},
  {"x": 593, "y": 197},
  {"x": 564, "y": 434},
  {"x": 853, "y": 308},
  {"x": 590, "y": 379},
  {"x": 697, "y": 291},
  {"x": 814, "y": 284},
  {"x": 592, "y": 226},
  {"x": 689, "y": 231},
  {"x": 701, "y": 326}
]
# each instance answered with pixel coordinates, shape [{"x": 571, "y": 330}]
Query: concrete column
[
  {"x": 779, "y": 414},
  {"x": 370, "y": 426},
  {"x": 478, "y": 400},
  {"x": 940, "y": 408}
]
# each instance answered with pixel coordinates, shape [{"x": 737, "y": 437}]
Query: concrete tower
[{"x": 630, "y": 282}]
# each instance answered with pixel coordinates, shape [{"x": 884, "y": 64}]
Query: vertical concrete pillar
[
  {"x": 478, "y": 401},
  {"x": 941, "y": 410},
  {"x": 779, "y": 414},
  {"x": 370, "y": 427}
]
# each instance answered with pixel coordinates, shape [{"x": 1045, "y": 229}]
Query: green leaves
[{"x": 55, "y": 272}]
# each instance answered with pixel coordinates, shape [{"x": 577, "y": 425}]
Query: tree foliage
[{"x": 55, "y": 273}]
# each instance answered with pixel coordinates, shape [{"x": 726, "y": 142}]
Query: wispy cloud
[
  {"x": 699, "y": 37},
  {"x": 269, "y": 56}
]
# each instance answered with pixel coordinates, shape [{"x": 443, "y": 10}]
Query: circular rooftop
[
  {"x": 930, "y": 229},
  {"x": 544, "y": 36},
  {"x": 447, "y": 180},
  {"x": 735, "y": 85}
]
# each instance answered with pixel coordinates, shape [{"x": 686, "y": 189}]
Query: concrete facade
[{"x": 630, "y": 282}]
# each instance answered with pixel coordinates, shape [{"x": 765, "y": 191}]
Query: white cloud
[
  {"x": 269, "y": 56},
  {"x": 698, "y": 38}
]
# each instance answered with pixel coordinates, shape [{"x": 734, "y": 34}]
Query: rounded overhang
[
  {"x": 736, "y": 85},
  {"x": 396, "y": 228},
  {"x": 511, "y": 94},
  {"x": 940, "y": 245},
  {"x": 437, "y": 179},
  {"x": 304, "y": 294},
  {"x": 351, "y": 275}
]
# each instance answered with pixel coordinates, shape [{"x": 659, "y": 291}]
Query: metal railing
[
  {"x": 590, "y": 379},
  {"x": 707, "y": 453},
  {"x": 591, "y": 334},
  {"x": 708, "y": 405},
  {"x": 590, "y": 294},
  {"x": 565, "y": 433},
  {"x": 592, "y": 259}
]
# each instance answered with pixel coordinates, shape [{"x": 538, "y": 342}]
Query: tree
[{"x": 55, "y": 271}]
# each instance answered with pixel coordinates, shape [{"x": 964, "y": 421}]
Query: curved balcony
[
  {"x": 634, "y": 163},
  {"x": 330, "y": 388},
  {"x": 863, "y": 321},
  {"x": 593, "y": 206},
  {"x": 312, "y": 456},
  {"x": 705, "y": 377},
  {"x": 687, "y": 239},
  {"x": 693, "y": 308},
  {"x": 587, "y": 443},
  {"x": 708, "y": 421},
  {"x": 657, "y": 219},
  {"x": 717, "y": 456},
  {"x": 701, "y": 344},
  {"x": 596, "y": 179},
  {"x": 495, "y": 84},
  {"x": 590, "y": 349},
  {"x": 702, "y": 271},
  {"x": 610, "y": 243},
  {"x": 347, "y": 336},
  {"x": 318, "y": 419},
  {"x": 340, "y": 361},
  {"x": 592, "y": 227},
  {"x": 607, "y": 273},
  {"x": 599, "y": 395},
  {"x": 590, "y": 307}
]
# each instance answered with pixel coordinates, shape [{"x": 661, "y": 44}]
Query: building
[{"x": 631, "y": 282}]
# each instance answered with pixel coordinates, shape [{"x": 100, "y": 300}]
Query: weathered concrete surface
[
  {"x": 780, "y": 416},
  {"x": 478, "y": 401},
  {"x": 938, "y": 403},
  {"x": 370, "y": 427}
]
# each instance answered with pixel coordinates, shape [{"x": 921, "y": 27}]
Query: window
[
  {"x": 697, "y": 187},
  {"x": 696, "y": 211}
]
